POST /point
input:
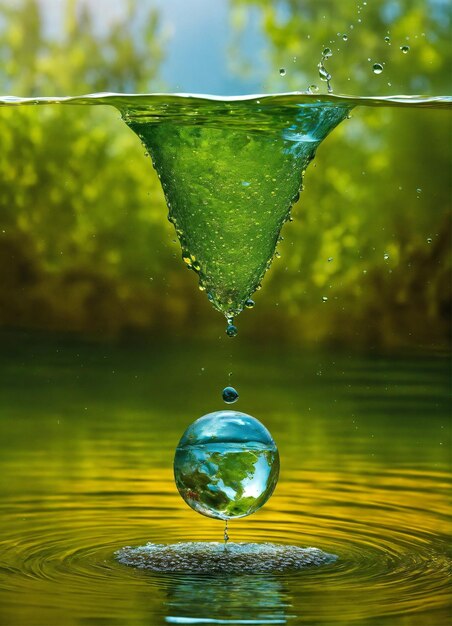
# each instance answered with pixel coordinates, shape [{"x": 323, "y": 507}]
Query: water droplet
[
  {"x": 324, "y": 299},
  {"x": 327, "y": 53},
  {"x": 386, "y": 256},
  {"x": 405, "y": 49},
  {"x": 277, "y": 254},
  {"x": 330, "y": 258},
  {"x": 249, "y": 303},
  {"x": 282, "y": 71},
  {"x": 377, "y": 68},
  {"x": 313, "y": 89},
  {"x": 429, "y": 240},
  {"x": 418, "y": 190},
  {"x": 230, "y": 395},
  {"x": 345, "y": 37},
  {"x": 388, "y": 39},
  {"x": 231, "y": 330}
]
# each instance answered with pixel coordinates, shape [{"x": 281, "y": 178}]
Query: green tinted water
[
  {"x": 87, "y": 440},
  {"x": 231, "y": 168}
]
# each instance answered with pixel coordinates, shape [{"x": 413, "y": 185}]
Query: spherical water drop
[
  {"x": 429, "y": 240},
  {"x": 386, "y": 256},
  {"x": 327, "y": 53},
  {"x": 226, "y": 465},
  {"x": 388, "y": 39},
  {"x": 282, "y": 71},
  {"x": 330, "y": 258},
  {"x": 249, "y": 303},
  {"x": 231, "y": 330},
  {"x": 324, "y": 299},
  {"x": 405, "y": 49},
  {"x": 230, "y": 395},
  {"x": 345, "y": 37},
  {"x": 313, "y": 89},
  {"x": 377, "y": 68}
]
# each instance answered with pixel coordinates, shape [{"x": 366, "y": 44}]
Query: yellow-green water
[{"x": 87, "y": 437}]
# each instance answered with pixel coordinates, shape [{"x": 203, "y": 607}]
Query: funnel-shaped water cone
[{"x": 230, "y": 171}]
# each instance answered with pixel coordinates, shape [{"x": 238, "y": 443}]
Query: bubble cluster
[{"x": 211, "y": 557}]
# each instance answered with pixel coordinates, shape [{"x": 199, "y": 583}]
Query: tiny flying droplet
[
  {"x": 387, "y": 39},
  {"x": 327, "y": 53},
  {"x": 249, "y": 303},
  {"x": 386, "y": 256},
  {"x": 377, "y": 68},
  {"x": 330, "y": 258},
  {"x": 345, "y": 37},
  {"x": 324, "y": 299},
  {"x": 230, "y": 395},
  {"x": 231, "y": 330},
  {"x": 429, "y": 240},
  {"x": 282, "y": 71},
  {"x": 405, "y": 49}
]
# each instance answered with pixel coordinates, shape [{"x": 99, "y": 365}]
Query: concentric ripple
[{"x": 368, "y": 482}]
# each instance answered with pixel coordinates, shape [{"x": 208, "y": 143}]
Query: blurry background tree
[{"x": 84, "y": 240}]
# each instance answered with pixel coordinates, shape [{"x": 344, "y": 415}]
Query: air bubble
[{"x": 377, "y": 68}]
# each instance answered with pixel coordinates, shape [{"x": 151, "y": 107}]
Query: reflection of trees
[{"x": 227, "y": 598}]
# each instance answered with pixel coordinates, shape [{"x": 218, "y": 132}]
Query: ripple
[{"x": 207, "y": 557}]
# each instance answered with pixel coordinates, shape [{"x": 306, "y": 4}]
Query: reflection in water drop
[
  {"x": 282, "y": 71},
  {"x": 230, "y": 395},
  {"x": 249, "y": 303},
  {"x": 231, "y": 330},
  {"x": 377, "y": 68},
  {"x": 386, "y": 256},
  {"x": 226, "y": 465},
  {"x": 405, "y": 49},
  {"x": 345, "y": 37}
]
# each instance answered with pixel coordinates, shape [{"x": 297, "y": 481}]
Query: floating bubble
[
  {"x": 405, "y": 49},
  {"x": 211, "y": 557},
  {"x": 230, "y": 395},
  {"x": 377, "y": 68},
  {"x": 226, "y": 465}
]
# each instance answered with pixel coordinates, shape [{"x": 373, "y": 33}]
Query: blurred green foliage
[{"x": 84, "y": 240}]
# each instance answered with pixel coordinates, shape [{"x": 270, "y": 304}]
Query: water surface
[{"x": 87, "y": 435}]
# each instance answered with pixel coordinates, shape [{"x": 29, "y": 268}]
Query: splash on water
[{"x": 211, "y": 557}]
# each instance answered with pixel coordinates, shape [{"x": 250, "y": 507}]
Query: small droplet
[
  {"x": 313, "y": 89},
  {"x": 327, "y": 53},
  {"x": 388, "y": 39},
  {"x": 231, "y": 330},
  {"x": 386, "y": 256},
  {"x": 249, "y": 303},
  {"x": 345, "y": 37},
  {"x": 282, "y": 71},
  {"x": 429, "y": 240},
  {"x": 277, "y": 254},
  {"x": 377, "y": 68},
  {"x": 230, "y": 395},
  {"x": 418, "y": 190},
  {"x": 330, "y": 258},
  {"x": 324, "y": 299},
  {"x": 405, "y": 49}
]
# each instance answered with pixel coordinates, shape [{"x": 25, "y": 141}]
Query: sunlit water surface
[{"x": 87, "y": 436}]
